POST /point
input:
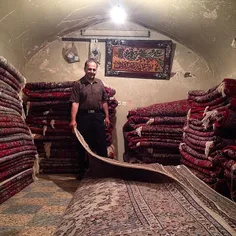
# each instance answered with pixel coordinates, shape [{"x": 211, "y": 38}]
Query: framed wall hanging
[{"x": 138, "y": 58}]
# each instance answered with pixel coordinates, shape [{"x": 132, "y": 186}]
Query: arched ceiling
[{"x": 205, "y": 26}]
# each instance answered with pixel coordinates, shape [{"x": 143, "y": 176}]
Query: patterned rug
[{"x": 145, "y": 199}]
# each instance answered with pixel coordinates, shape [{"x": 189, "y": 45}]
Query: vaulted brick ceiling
[{"x": 208, "y": 27}]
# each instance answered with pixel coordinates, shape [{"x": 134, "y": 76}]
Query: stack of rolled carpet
[
  {"x": 112, "y": 104},
  {"x": 153, "y": 133},
  {"x": 208, "y": 131},
  {"x": 228, "y": 162},
  {"x": 18, "y": 154},
  {"x": 48, "y": 116},
  {"x": 223, "y": 121}
]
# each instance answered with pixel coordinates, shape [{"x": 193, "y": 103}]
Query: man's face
[{"x": 90, "y": 70}]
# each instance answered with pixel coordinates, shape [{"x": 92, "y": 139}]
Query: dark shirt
[{"x": 90, "y": 96}]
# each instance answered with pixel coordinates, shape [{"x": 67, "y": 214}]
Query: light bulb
[{"x": 118, "y": 15}]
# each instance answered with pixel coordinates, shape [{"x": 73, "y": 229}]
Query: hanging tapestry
[{"x": 138, "y": 58}]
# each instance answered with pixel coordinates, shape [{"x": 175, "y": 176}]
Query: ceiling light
[{"x": 118, "y": 14}]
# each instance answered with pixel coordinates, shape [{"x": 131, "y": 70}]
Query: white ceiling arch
[{"x": 205, "y": 26}]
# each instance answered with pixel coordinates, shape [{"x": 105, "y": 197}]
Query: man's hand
[
  {"x": 74, "y": 110},
  {"x": 107, "y": 121},
  {"x": 73, "y": 124}
]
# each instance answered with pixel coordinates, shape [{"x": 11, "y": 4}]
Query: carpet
[{"x": 117, "y": 198}]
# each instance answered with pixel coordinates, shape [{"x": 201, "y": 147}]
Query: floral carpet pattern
[
  {"x": 145, "y": 199},
  {"x": 118, "y": 207}
]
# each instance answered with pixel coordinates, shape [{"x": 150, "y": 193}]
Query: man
[{"x": 89, "y": 104}]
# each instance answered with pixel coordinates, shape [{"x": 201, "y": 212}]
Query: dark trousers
[{"x": 92, "y": 127}]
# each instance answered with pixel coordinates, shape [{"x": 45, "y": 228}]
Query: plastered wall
[
  {"x": 205, "y": 26},
  {"x": 48, "y": 65}
]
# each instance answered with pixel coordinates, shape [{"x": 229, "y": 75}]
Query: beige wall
[
  {"x": 48, "y": 65},
  {"x": 12, "y": 55}
]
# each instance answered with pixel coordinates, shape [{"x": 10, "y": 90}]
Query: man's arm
[
  {"x": 105, "y": 108},
  {"x": 74, "y": 111}
]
